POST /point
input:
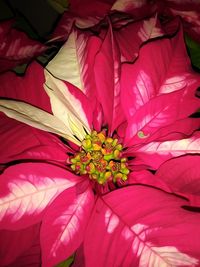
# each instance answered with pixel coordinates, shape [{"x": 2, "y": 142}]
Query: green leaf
[
  {"x": 66, "y": 263},
  {"x": 59, "y": 5},
  {"x": 194, "y": 51}
]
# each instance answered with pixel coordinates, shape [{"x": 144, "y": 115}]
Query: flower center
[{"x": 101, "y": 158}]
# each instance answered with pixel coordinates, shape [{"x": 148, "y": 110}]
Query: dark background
[{"x": 37, "y": 14}]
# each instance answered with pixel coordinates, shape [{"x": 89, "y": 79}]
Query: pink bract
[
  {"x": 16, "y": 47},
  {"x": 148, "y": 220},
  {"x": 92, "y": 13}
]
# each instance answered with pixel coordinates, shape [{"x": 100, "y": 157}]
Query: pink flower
[
  {"x": 187, "y": 10},
  {"x": 16, "y": 47},
  {"x": 89, "y": 13},
  {"x": 93, "y": 192}
]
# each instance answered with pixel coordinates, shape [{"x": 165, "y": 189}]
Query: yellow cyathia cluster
[{"x": 101, "y": 158}]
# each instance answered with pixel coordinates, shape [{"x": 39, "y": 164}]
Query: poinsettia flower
[
  {"x": 188, "y": 10},
  {"x": 89, "y": 13},
  {"x": 16, "y": 47},
  {"x": 108, "y": 123}
]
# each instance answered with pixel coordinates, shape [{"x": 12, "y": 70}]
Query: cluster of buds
[{"x": 101, "y": 158}]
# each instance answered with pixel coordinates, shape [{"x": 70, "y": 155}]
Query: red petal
[
  {"x": 84, "y": 14},
  {"x": 143, "y": 30},
  {"x": 178, "y": 130},
  {"x": 11, "y": 248},
  {"x": 107, "y": 71},
  {"x": 64, "y": 225},
  {"x": 182, "y": 176},
  {"x": 147, "y": 78},
  {"x": 141, "y": 226},
  {"x": 155, "y": 153},
  {"x": 189, "y": 11},
  {"x": 16, "y": 47},
  {"x": 24, "y": 88},
  {"x": 25, "y": 142},
  {"x": 31, "y": 257},
  {"x": 27, "y": 189},
  {"x": 156, "y": 113}
]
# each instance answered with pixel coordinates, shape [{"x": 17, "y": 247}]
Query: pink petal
[
  {"x": 189, "y": 12},
  {"x": 137, "y": 8},
  {"x": 144, "y": 177},
  {"x": 31, "y": 257},
  {"x": 16, "y": 47},
  {"x": 182, "y": 175},
  {"x": 64, "y": 225},
  {"x": 89, "y": 8},
  {"x": 84, "y": 102},
  {"x": 143, "y": 30},
  {"x": 147, "y": 78},
  {"x": 11, "y": 248},
  {"x": 158, "y": 112},
  {"x": 27, "y": 189},
  {"x": 155, "y": 153},
  {"x": 178, "y": 130},
  {"x": 25, "y": 142},
  {"x": 107, "y": 71},
  {"x": 83, "y": 14},
  {"x": 24, "y": 88},
  {"x": 74, "y": 61},
  {"x": 88, "y": 62},
  {"x": 156, "y": 231}
]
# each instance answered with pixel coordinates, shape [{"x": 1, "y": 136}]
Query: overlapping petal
[
  {"x": 28, "y": 88},
  {"x": 153, "y": 115},
  {"x": 70, "y": 106},
  {"x": 16, "y": 47},
  {"x": 155, "y": 153},
  {"x": 21, "y": 142},
  {"x": 157, "y": 231},
  {"x": 31, "y": 257},
  {"x": 35, "y": 117},
  {"x": 27, "y": 189},
  {"x": 108, "y": 81},
  {"x": 182, "y": 175},
  {"x": 147, "y": 77},
  {"x": 74, "y": 61},
  {"x": 143, "y": 30},
  {"x": 90, "y": 13},
  {"x": 84, "y": 15},
  {"x": 187, "y": 10},
  {"x": 150, "y": 100},
  {"x": 64, "y": 224},
  {"x": 10, "y": 249}
]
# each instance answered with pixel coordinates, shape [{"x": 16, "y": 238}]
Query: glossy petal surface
[
  {"x": 70, "y": 106},
  {"x": 182, "y": 176},
  {"x": 155, "y": 153},
  {"x": 11, "y": 248},
  {"x": 107, "y": 81},
  {"x": 25, "y": 142},
  {"x": 16, "y": 47},
  {"x": 155, "y": 232},
  {"x": 64, "y": 225},
  {"x": 31, "y": 257},
  {"x": 27, "y": 189},
  {"x": 35, "y": 117},
  {"x": 147, "y": 78},
  {"x": 24, "y": 88}
]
